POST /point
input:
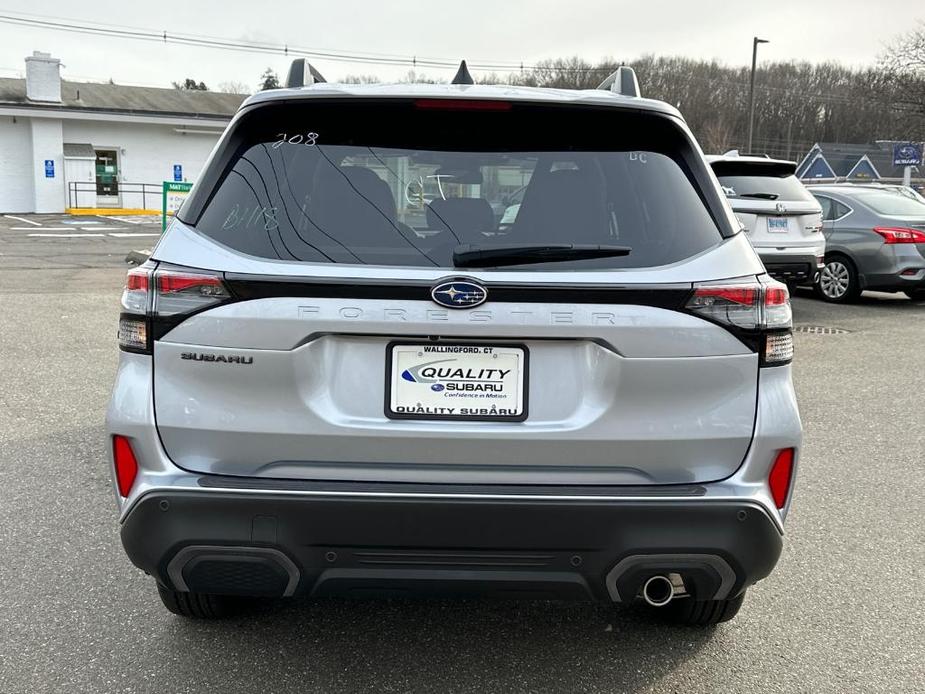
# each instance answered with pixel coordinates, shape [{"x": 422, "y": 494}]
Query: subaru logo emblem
[
  {"x": 781, "y": 207},
  {"x": 459, "y": 294}
]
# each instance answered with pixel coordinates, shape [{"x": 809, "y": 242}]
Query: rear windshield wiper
[
  {"x": 472, "y": 255},
  {"x": 760, "y": 196}
]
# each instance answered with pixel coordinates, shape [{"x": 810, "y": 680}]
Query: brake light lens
[
  {"x": 758, "y": 313},
  {"x": 893, "y": 235},
  {"x": 185, "y": 292},
  {"x": 780, "y": 477},
  {"x": 463, "y": 104},
  {"x": 126, "y": 465}
]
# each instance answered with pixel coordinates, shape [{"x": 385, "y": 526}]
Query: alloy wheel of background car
[{"x": 837, "y": 281}]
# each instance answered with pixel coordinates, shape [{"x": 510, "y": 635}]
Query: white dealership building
[{"x": 70, "y": 144}]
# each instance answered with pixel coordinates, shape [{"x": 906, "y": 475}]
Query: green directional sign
[{"x": 174, "y": 193}]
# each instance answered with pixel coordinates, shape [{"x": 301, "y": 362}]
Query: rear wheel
[
  {"x": 915, "y": 294},
  {"x": 198, "y": 605},
  {"x": 701, "y": 613},
  {"x": 838, "y": 281}
]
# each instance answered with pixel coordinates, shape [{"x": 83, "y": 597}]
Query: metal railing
[{"x": 80, "y": 192}]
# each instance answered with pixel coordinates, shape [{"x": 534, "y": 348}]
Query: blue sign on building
[
  {"x": 178, "y": 172},
  {"x": 49, "y": 168},
  {"x": 907, "y": 154}
]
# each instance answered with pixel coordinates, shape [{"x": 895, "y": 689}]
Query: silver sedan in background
[{"x": 875, "y": 239}]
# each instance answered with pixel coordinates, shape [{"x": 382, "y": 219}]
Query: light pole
[{"x": 751, "y": 93}]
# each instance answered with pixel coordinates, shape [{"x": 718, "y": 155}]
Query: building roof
[{"x": 117, "y": 98}]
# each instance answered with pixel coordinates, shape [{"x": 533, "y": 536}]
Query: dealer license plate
[
  {"x": 778, "y": 225},
  {"x": 473, "y": 382}
]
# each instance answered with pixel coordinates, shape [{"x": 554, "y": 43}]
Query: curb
[{"x": 110, "y": 211}]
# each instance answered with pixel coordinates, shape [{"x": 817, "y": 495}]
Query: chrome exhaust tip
[{"x": 658, "y": 591}]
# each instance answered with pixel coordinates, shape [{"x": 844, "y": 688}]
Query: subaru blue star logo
[{"x": 459, "y": 294}]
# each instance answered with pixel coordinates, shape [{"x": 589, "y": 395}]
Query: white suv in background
[{"x": 782, "y": 220}]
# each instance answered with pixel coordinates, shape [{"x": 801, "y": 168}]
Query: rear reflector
[
  {"x": 463, "y": 104},
  {"x": 900, "y": 235},
  {"x": 780, "y": 476},
  {"x": 125, "y": 463}
]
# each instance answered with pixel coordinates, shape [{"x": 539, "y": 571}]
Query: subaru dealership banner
[{"x": 907, "y": 154}]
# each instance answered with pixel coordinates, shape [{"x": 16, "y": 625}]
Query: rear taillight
[
  {"x": 154, "y": 301},
  {"x": 758, "y": 313},
  {"x": 900, "y": 235},
  {"x": 126, "y": 465},
  {"x": 780, "y": 477},
  {"x": 180, "y": 292}
]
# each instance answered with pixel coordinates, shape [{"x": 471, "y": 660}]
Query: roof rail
[
  {"x": 622, "y": 81},
  {"x": 302, "y": 73},
  {"x": 462, "y": 75}
]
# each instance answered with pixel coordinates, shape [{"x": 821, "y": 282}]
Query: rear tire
[
  {"x": 701, "y": 613},
  {"x": 198, "y": 605},
  {"x": 915, "y": 294},
  {"x": 838, "y": 281}
]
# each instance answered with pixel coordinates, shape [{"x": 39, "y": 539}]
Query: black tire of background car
[
  {"x": 199, "y": 605},
  {"x": 854, "y": 287}
]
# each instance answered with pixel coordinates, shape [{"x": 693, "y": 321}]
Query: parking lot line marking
[
  {"x": 131, "y": 235},
  {"x": 22, "y": 219},
  {"x": 103, "y": 228},
  {"x": 44, "y": 228},
  {"x": 68, "y": 236}
]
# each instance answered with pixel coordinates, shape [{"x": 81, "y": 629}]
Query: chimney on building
[{"x": 43, "y": 78}]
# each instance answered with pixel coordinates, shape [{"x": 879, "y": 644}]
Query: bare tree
[
  {"x": 234, "y": 87},
  {"x": 717, "y": 135},
  {"x": 360, "y": 79},
  {"x": 903, "y": 65}
]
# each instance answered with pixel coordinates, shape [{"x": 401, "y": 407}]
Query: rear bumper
[
  {"x": 798, "y": 267},
  {"x": 896, "y": 281},
  {"x": 579, "y": 543}
]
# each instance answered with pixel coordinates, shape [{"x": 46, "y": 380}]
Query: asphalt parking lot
[{"x": 842, "y": 613}]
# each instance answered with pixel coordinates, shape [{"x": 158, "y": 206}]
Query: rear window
[
  {"x": 891, "y": 201},
  {"x": 405, "y": 183},
  {"x": 785, "y": 187}
]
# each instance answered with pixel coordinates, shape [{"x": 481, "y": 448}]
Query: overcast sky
[{"x": 851, "y": 31}]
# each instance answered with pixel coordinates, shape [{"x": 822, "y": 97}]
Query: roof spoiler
[
  {"x": 622, "y": 81},
  {"x": 302, "y": 73}
]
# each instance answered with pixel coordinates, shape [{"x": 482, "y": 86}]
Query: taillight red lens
[
  {"x": 178, "y": 282},
  {"x": 780, "y": 477},
  {"x": 184, "y": 292},
  {"x": 900, "y": 235},
  {"x": 125, "y": 463},
  {"x": 742, "y": 295},
  {"x": 463, "y": 104},
  {"x": 137, "y": 279}
]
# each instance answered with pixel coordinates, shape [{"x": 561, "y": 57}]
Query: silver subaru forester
[{"x": 341, "y": 374}]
